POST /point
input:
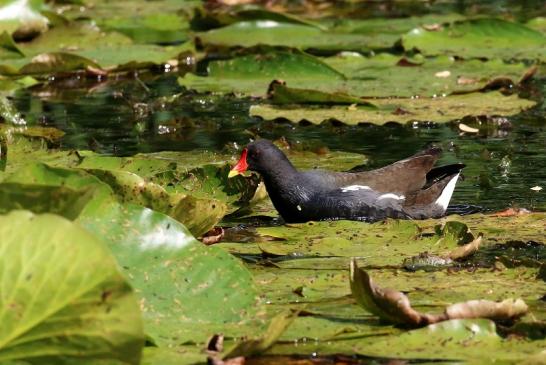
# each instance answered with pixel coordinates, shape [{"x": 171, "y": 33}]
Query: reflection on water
[{"x": 132, "y": 115}]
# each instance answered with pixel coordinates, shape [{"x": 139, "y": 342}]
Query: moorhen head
[{"x": 410, "y": 188}]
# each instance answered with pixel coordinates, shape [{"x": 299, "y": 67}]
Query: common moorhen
[{"x": 409, "y": 188}]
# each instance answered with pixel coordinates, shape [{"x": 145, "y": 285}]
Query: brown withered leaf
[
  {"x": 466, "y": 250},
  {"x": 497, "y": 311},
  {"x": 511, "y": 212},
  {"x": 214, "y": 348},
  {"x": 433, "y": 27},
  {"x": 394, "y": 306},
  {"x": 255, "y": 346},
  {"x": 462, "y": 80},
  {"x": 213, "y": 236},
  {"x": 388, "y": 304}
]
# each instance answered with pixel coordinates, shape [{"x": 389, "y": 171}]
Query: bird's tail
[{"x": 433, "y": 199}]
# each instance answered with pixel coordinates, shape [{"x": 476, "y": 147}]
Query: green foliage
[
  {"x": 489, "y": 38},
  {"x": 64, "y": 299},
  {"x": 79, "y": 310},
  {"x": 440, "y": 110}
]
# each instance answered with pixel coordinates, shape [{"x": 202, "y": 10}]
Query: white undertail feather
[
  {"x": 445, "y": 197},
  {"x": 391, "y": 196},
  {"x": 346, "y": 189}
]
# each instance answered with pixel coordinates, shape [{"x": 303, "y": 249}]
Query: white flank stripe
[
  {"x": 391, "y": 196},
  {"x": 354, "y": 188},
  {"x": 445, "y": 197}
]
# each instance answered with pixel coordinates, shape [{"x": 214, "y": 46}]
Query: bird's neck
[
  {"x": 288, "y": 192},
  {"x": 280, "y": 176}
]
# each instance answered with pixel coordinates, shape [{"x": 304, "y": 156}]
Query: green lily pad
[
  {"x": 173, "y": 273},
  {"x": 43, "y": 199},
  {"x": 189, "y": 291},
  {"x": 478, "y": 336},
  {"x": 8, "y": 48},
  {"x": 12, "y": 84},
  {"x": 200, "y": 174},
  {"x": 280, "y": 94},
  {"x": 173, "y": 356},
  {"x": 275, "y": 33},
  {"x": 438, "y": 110},
  {"x": 81, "y": 45},
  {"x": 150, "y": 28},
  {"x": 252, "y": 74},
  {"x": 204, "y": 18},
  {"x": 480, "y": 38},
  {"x": 20, "y": 149},
  {"x": 198, "y": 214},
  {"x": 383, "y": 31},
  {"x": 308, "y": 269},
  {"x": 80, "y": 310},
  {"x": 389, "y": 75},
  {"x": 353, "y": 76},
  {"x": 538, "y": 23}
]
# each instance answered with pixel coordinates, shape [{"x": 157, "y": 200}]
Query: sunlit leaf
[
  {"x": 489, "y": 38},
  {"x": 79, "y": 310},
  {"x": 438, "y": 110}
]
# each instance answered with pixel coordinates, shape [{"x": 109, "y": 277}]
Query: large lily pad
[
  {"x": 197, "y": 214},
  {"x": 478, "y": 336},
  {"x": 170, "y": 270},
  {"x": 252, "y": 74},
  {"x": 308, "y": 264},
  {"x": 275, "y": 33},
  {"x": 489, "y": 38},
  {"x": 200, "y": 174},
  {"x": 150, "y": 28},
  {"x": 389, "y": 75},
  {"x": 382, "y": 75},
  {"x": 81, "y": 45},
  {"x": 129, "y": 188},
  {"x": 80, "y": 310},
  {"x": 189, "y": 291},
  {"x": 438, "y": 110}
]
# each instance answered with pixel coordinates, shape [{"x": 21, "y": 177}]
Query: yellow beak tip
[{"x": 233, "y": 173}]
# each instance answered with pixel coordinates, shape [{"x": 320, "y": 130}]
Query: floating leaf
[
  {"x": 388, "y": 304},
  {"x": 256, "y": 346},
  {"x": 280, "y": 94},
  {"x": 477, "y": 38},
  {"x": 455, "y": 232},
  {"x": 80, "y": 45},
  {"x": 8, "y": 48},
  {"x": 275, "y": 33},
  {"x": 149, "y": 28},
  {"x": 385, "y": 32},
  {"x": 252, "y": 74},
  {"x": 467, "y": 249},
  {"x": 538, "y": 23},
  {"x": 173, "y": 273},
  {"x": 79, "y": 310},
  {"x": 394, "y": 306},
  {"x": 197, "y": 214},
  {"x": 380, "y": 75},
  {"x": 385, "y": 74},
  {"x": 438, "y": 110},
  {"x": 44, "y": 199},
  {"x": 188, "y": 290}
]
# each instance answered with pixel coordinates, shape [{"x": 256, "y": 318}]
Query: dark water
[{"x": 128, "y": 115}]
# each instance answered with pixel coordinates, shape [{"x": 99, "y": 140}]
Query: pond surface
[{"x": 126, "y": 116}]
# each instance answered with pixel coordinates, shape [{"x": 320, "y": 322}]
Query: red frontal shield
[{"x": 240, "y": 167}]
